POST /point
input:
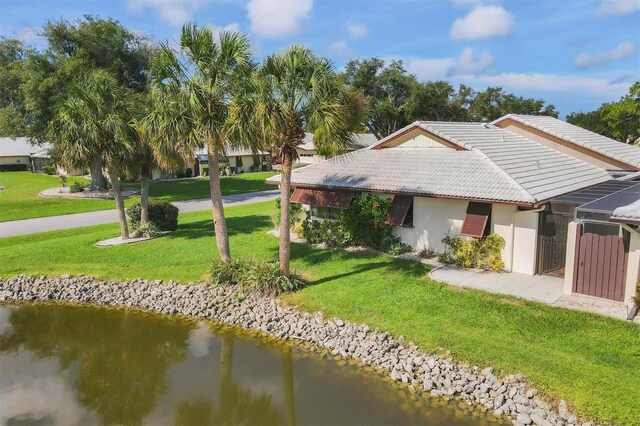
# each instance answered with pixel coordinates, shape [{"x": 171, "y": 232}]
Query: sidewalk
[
  {"x": 76, "y": 220},
  {"x": 539, "y": 288}
]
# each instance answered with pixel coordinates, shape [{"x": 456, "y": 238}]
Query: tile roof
[
  {"x": 18, "y": 147},
  {"x": 360, "y": 140},
  {"x": 627, "y": 214},
  {"x": 541, "y": 171},
  {"x": 625, "y": 153},
  {"x": 430, "y": 172},
  {"x": 498, "y": 165}
]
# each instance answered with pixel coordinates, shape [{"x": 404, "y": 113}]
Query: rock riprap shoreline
[{"x": 403, "y": 361}]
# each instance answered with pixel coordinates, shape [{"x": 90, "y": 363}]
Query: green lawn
[
  {"x": 592, "y": 361},
  {"x": 20, "y": 199}
]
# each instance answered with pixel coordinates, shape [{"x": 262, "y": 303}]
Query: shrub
[
  {"x": 205, "y": 171},
  {"x": 77, "y": 187},
  {"x": 49, "y": 170},
  {"x": 395, "y": 247},
  {"x": 330, "y": 232},
  {"x": 147, "y": 230},
  {"x": 481, "y": 253},
  {"x": 162, "y": 214},
  {"x": 426, "y": 254},
  {"x": 296, "y": 215},
  {"x": 258, "y": 277},
  {"x": 189, "y": 172},
  {"x": 366, "y": 221},
  {"x": 13, "y": 167},
  {"x": 63, "y": 180}
]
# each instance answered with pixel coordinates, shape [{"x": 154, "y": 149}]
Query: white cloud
[
  {"x": 340, "y": 47},
  {"x": 470, "y": 62},
  {"x": 466, "y": 3},
  {"x": 618, "y": 7},
  {"x": 483, "y": 22},
  {"x": 233, "y": 27},
  {"x": 278, "y": 18},
  {"x": 551, "y": 83},
  {"x": 589, "y": 60},
  {"x": 429, "y": 69},
  {"x": 357, "y": 30},
  {"x": 173, "y": 12}
]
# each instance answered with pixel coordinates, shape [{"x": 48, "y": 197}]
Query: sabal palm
[
  {"x": 292, "y": 91},
  {"x": 94, "y": 122},
  {"x": 191, "y": 94}
]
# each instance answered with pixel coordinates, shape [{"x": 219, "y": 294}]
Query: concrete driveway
[{"x": 76, "y": 220}]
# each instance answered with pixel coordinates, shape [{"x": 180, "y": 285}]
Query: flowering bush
[{"x": 483, "y": 253}]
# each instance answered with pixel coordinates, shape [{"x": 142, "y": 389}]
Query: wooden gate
[{"x": 601, "y": 266}]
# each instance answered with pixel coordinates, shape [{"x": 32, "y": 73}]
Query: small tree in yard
[
  {"x": 191, "y": 95},
  {"x": 289, "y": 93},
  {"x": 94, "y": 122}
]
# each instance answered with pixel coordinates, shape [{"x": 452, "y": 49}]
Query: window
[
  {"x": 401, "y": 212},
  {"x": 477, "y": 221},
  {"x": 325, "y": 212}
]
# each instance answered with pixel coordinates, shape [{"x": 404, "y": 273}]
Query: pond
[{"x": 85, "y": 365}]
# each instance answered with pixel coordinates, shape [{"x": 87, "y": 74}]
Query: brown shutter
[
  {"x": 399, "y": 209},
  {"x": 322, "y": 198},
  {"x": 297, "y": 193},
  {"x": 476, "y": 219}
]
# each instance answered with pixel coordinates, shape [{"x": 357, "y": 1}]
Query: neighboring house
[
  {"x": 239, "y": 160},
  {"x": 472, "y": 179},
  {"x": 308, "y": 154},
  {"x": 19, "y": 154}
]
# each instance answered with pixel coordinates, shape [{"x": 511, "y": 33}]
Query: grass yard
[
  {"x": 21, "y": 200},
  {"x": 591, "y": 361}
]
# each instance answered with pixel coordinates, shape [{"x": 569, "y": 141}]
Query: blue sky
[{"x": 575, "y": 54}]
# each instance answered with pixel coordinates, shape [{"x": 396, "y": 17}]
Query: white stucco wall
[
  {"x": 433, "y": 219},
  {"x": 14, "y": 160},
  {"x": 525, "y": 242},
  {"x": 501, "y": 216}
]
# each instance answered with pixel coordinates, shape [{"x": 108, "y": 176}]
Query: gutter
[{"x": 513, "y": 231}]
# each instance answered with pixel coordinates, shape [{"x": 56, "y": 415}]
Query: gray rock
[{"x": 523, "y": 419}]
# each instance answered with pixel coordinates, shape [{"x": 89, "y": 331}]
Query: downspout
[{"x": 513, "y": 231}]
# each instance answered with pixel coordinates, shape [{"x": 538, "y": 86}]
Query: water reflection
[{"x": 84, "y": 365}]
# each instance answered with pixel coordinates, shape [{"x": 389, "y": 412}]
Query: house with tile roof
[
  {"x": 472, "y": 179},
  {"x": 308, "y": 153}
]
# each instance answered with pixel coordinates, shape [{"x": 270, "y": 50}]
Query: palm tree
[
  {"x": 142, "y": 160},
  {"x": 292, "y": 91},
  {"x": 191, "y": 94},
  {"x": 94, "y": 122}
]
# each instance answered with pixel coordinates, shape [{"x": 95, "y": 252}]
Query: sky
[{"x": 575, "y": 54}]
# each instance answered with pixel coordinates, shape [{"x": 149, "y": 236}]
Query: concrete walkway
[
  {"x": 76, "y": 220},
  {"x": 539, "y": 288}
]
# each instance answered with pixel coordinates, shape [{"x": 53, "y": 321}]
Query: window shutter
[
  {"x": 476, "y": 219},
  {"x": 399, "y": 209},
  {"x": 323, "y": 198}
]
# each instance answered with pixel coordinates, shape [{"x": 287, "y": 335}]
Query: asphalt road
[{"x": 76, "y": 220}]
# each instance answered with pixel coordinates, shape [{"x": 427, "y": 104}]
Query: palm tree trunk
[
  {"x": 285, "y": 202},
  {"x": 117, "y": 194},
  {"x": 219, "y": 223},
  {"x": 226, "y": 360},
  {"x": 98, "y": 181},
  {"x": 287, "y": 371},
  {"x": 145, "y": 172}
]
